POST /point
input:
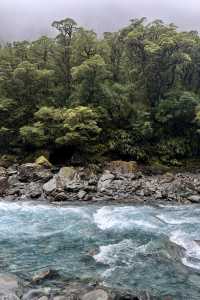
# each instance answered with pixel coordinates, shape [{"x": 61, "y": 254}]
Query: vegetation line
[{"x": 133, "y": 94}]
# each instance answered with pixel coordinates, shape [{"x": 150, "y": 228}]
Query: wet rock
[
  {"x": 194, "y": 198},
  {"x": 9, "y": 286},
  {"x": 43, "y": 275},
  {"x": 8, "y": 283},
  {"x": 96, "y": 295},
  {"x": 34, "y": 172},
  {"x": 35, "y": 294},
  {"x": 128, "y": 297}
]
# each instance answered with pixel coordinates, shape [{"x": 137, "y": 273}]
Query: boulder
[
  {"x": 66, "y": 176},
  {"x": 96, "y": 295},
  {"x": 36, "y": 294},
  {"x": 3, "y": 181},
  {"x": 50, "y": 186},
  {"x": 43, "y": 275},
  {"x": 105, "y": 181},
  {"x": 194, "y": 198},
  {"x": 7, "y": 160},
  {"x": 12, "y": 170},
  {"x": 3, "y": 172},
  {"x": 43, "y": 161},
  {"x": 9, "y": 286},
  {"x": 61, "y": 196},
  {"x": 66, "y": 180},
  {"x": 123, "y": 167},
  {"x": 34, "y": 172},
  {"x": 34, "y": 190},
  {"x": 82, "y": 194},
  {"x": 3, "y": 185}
]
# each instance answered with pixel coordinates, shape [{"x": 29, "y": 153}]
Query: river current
[{"x": 156, "y": 249}]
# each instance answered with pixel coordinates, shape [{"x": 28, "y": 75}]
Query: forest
[{"x": 79, "y": 97}]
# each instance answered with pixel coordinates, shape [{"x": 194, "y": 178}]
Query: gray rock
[
  {"x": 105, "y": 181},
  {"x": 35, "y": 190},
  {"x": 35, "y": 294},
  {"x": 34, "y": 172},
  {"x": 9, "y": 282},
  {"x": 9, "y": 285},
  {"x": 3, "y": 185},
  {"x": 66, "y": 179},
  {"x": 3, "y": 172},
  {"x": 194, "y": 198},
  {"x": 9, "y": 296},
  {"x": 95, "y": 295},
  {"x": 73, "y": 186},
  {"x": 43, "y": 275},
  {"x": 50, "y": 186},
  {"x": 14, "y": 180},
  {"x": 82, "y": 194},
  {"x": 66, "y": 176},
  {"x": 3, "y": 181},
  {"x": 12, "y": 170},
  {"x": 61, "y": 196}
]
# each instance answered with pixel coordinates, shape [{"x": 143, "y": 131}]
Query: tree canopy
[{"x": 131, "y": 94}]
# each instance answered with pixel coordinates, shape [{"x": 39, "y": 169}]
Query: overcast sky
[{"x": 26, "y": 19}]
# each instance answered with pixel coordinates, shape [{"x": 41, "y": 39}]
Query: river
[{"x": 136, "y": 247}]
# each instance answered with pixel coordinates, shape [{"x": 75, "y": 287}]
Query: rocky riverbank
[
  {"x": 118, "y": 181},
  {"x": 13, "y": 288}
]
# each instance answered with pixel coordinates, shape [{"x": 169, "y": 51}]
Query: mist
[{"x": 28, "y": 19}]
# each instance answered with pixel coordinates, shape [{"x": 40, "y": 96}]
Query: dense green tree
[
  {"x": 63, "y": 55},
  {"x": 132, "y": 94},
  {"x": 89, "y": 80}
]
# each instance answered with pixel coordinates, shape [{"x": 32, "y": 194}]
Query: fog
[{"x": 27, "y": 19}]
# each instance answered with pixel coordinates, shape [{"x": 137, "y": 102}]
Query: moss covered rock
[
  {"x": 43, "y": 161},
  {"x": 7, "y": 160},
  {"x": 67, "y": 174}
]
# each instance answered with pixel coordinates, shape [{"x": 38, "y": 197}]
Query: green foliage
[
  {"x": 89, "y": 79},
  {"x": 177, "y": 114},
  {"x": 81, "y": 129},
  {"x": 134, "y": 93}
]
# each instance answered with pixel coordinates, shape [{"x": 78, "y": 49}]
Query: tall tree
[{"x": 63, "y": 54}]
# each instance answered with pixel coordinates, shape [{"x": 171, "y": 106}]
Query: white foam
[
  {"x": 177, "y": 220},
  {"x": 37, "y": 208},
  {"x": 122, "y": 253},
  {"x": 123, "y": 218},
  {"x": 192, "y": 249}
]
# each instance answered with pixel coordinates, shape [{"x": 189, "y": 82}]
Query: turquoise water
[{"x": 136, "y": 247}]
